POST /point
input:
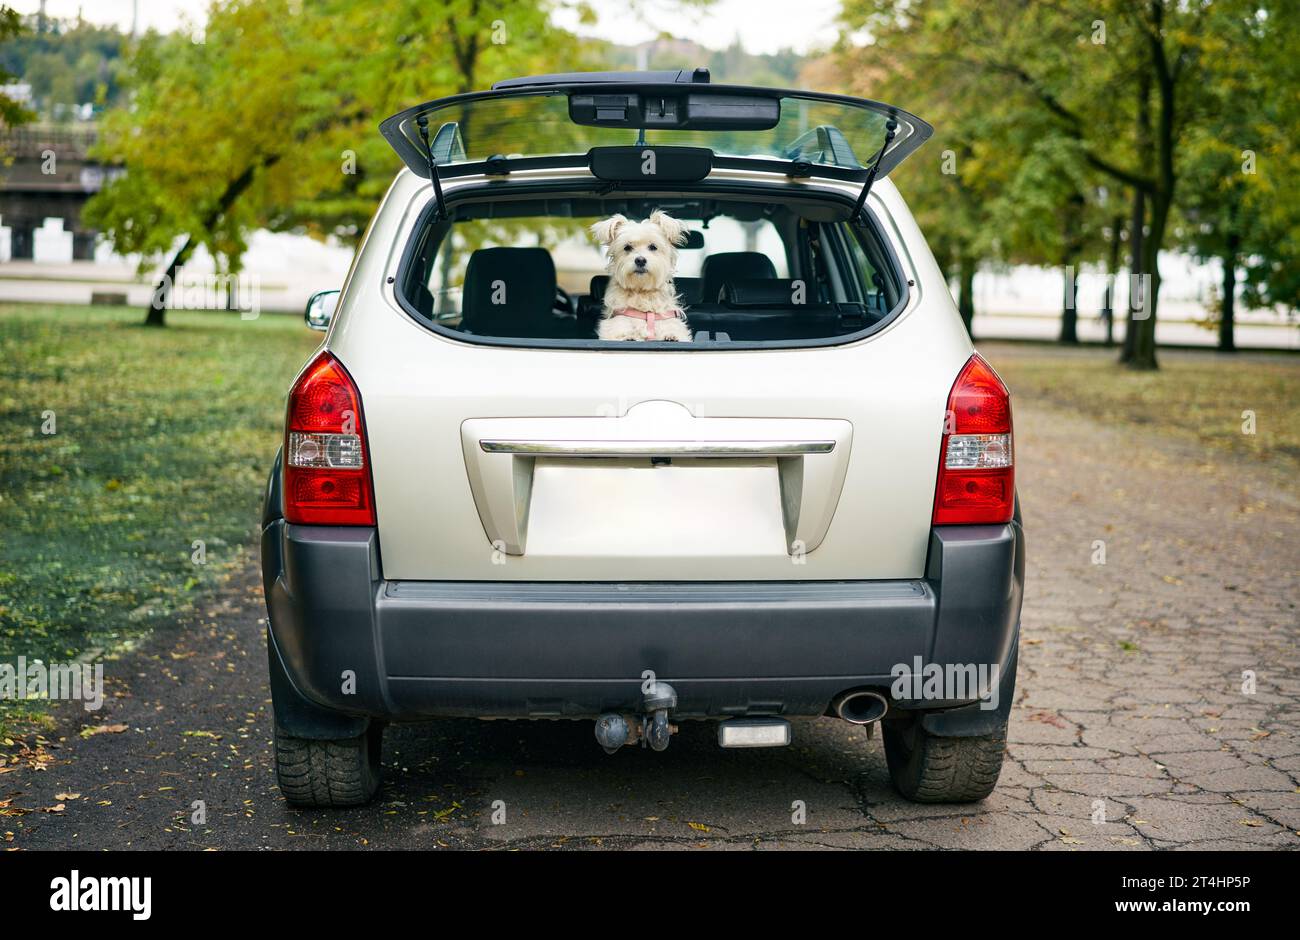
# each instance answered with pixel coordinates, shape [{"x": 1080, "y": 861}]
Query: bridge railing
[{"x": 32, "y": 140}]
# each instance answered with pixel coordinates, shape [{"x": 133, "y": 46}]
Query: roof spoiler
[{"x": 698, "y": 76}]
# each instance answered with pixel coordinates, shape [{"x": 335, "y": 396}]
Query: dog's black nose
[{"x": 640, "y": 261}]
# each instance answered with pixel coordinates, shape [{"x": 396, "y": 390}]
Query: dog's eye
[
  {"x": 654, "y": 248},
  {"x": 627, "y": 247}
]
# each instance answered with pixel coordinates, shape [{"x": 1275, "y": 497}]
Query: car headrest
[
  {"x": 766, "y": 292},
  {"x": 509, "y": 292},
  {"x": 689, "y": 289},
  {"x": 598, "y": 285},
  {"x": 733, "y": 266}
]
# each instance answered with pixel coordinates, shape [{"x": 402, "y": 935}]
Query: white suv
[{"x": 483, "y": 510}]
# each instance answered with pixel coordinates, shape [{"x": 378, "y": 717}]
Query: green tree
[
  {"x": 12, "y": 113},
  {"x": 68, "y": 62},
  {"x": 1272, "y": 275},
  {"x": 1241, "y": 166},
  {"x": 1123, "y": 82},
  {"x": 950, "y": 186},
  {"x": 1052, "y": 214},
  {"x": 268, "y": 119},
  {"x": 995, "y": 183}
]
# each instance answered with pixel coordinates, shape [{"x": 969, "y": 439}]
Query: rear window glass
[
  {"x": 819, "y": 129},
  {"x": 748, "y": 272}
]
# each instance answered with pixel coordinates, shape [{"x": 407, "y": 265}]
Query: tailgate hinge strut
[
  {"x": 440, "y": 213},
  {"x": 891, "y": 127}
]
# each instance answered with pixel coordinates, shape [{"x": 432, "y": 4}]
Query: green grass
[
  {"x": 1195, "y": 396},
  {"x": 163, "y": 437}
]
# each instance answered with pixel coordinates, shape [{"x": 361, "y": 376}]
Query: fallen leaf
[
  {"x": 66, "y": 796},
  {"x": 103, "y": 729},
  {"x": 1048, "y": 718},
  {"x": 699, "y": 827}
]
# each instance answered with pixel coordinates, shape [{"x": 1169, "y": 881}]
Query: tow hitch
[{"x": 651, "y": 727}]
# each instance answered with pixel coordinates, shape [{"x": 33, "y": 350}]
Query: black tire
[
  {"x": 342, "y": 772},
  {"x": 926, "y": 768}
]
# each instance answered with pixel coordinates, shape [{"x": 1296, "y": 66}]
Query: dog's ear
[
  {"x": 606, "y": 230},
  {"x": 673, "y": 230}
]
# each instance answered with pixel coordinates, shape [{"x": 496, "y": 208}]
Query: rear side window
[{"x": 749, "y": 272}]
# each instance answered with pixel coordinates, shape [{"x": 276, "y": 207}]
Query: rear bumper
[{"x": 345, "y": 641}]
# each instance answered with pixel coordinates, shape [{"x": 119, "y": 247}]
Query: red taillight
[
  {"x": 977, "y": 476},
  {"x": 326, "y": 466}
]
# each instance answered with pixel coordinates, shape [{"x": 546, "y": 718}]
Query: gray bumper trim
[{"x": 354, "y": 643}]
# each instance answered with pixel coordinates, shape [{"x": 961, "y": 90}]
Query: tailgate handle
[
  {"x": 706, "y": 449},
  {"x": 503, "y": 455}
]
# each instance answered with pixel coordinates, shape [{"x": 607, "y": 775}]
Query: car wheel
[
  {"x": 927, "y": 768},
  {"x": 340, "y": 772}
]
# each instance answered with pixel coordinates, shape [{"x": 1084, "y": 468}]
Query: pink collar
[{"x": 649, "y": 317}]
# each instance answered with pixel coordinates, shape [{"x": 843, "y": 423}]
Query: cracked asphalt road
[{"x": 1131, "y": 729}]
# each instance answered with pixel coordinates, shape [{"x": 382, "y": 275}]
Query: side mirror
[
  {"x": 320, "y": 309},
  {"x": 694, "y": 239}
]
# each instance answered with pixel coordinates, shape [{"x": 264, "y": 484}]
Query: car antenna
[
  {"x": 891, "y": 126},
  {"x": 422, "y": 122}
]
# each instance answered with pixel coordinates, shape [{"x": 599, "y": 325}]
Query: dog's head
[{"x": 641, "y": 255}]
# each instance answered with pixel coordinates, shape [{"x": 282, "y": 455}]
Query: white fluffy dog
[{"x": 641, "y": 257}]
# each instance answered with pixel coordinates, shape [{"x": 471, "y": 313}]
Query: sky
[{"x": 764, "y": 26}]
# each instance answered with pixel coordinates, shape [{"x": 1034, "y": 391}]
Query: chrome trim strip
[{"x": 537, "y": 448}]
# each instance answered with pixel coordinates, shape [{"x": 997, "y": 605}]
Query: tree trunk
[
  {"x": 1144, "y": 329},
  {"x": 157, "y": 315},
  {"x": 966, "y": 299},
  {"x": 1071, "y": 248},
  {"x": 1112, "y": 266},
  {"x": 1137, "y": 224},
  {"x": 1162, "y": 196},
  {"x": 1136, "y": 253},
  {"x": 1227, "y": 340},
  {"x": 1069, "y": 308}
]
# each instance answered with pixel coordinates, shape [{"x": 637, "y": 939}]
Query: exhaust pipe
[{"x": 860, "y": 708}]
